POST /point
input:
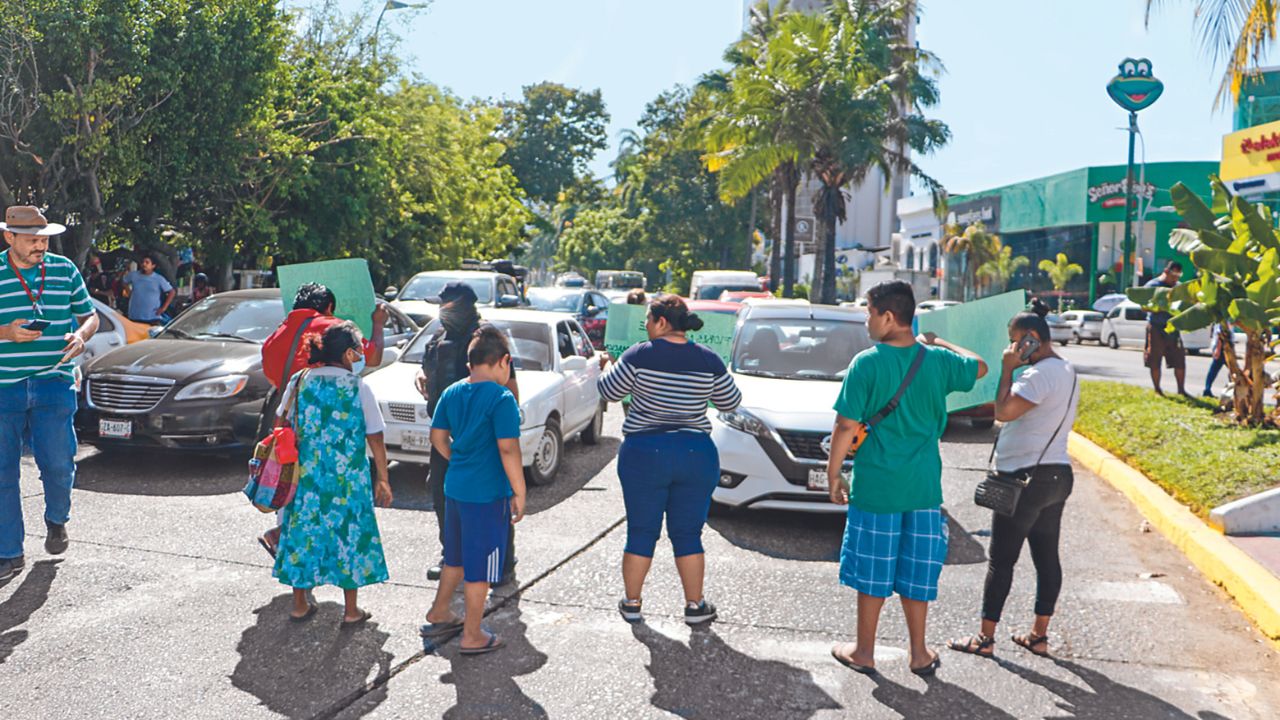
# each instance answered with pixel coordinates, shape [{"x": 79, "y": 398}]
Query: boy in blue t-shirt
[{"x": 476, "y": 427}]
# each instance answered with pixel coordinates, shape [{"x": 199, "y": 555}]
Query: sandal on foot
[
  {"x": 974, "y": 645},
  {"x": 437, "y": 629},
  {"x": 1030, "y": 641},
  {"x": 494, "y": 643},
  {"x": 311, "y": 610},
  {"x": 271, "y": 549},
  {"x": 864, "y": 669},
  {"x": 364, "y": 617},
  {"x": 929, "y": 669}
]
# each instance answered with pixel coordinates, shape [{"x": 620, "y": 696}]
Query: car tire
[
  {"x": 1195, "y": 352},
  {"x": 548, "y": 456},
  {"x": 1113, "y": 342},
  {"x": 595, "y": 430},
  {"x": 982, "y": 423},
  {"x": 1063, "y": 342}
]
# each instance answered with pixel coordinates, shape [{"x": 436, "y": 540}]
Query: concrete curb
[{"x": 1252, "y": 586}]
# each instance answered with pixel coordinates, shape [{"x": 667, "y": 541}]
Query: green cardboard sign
[
  {"x": 983, "y": 327},
  {"x": 349, "y": 280},
  {"x": 626, "y": 328}
]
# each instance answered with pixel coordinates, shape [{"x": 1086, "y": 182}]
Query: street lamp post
[
  {"x": 1133, "y": 89},
  {"x": 391, "y": 5}
]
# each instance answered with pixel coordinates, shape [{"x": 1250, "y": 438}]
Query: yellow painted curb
[{"x": 1252, "y": 586}]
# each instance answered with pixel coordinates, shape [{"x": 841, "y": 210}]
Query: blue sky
[{"x": 1023, "y": 92}]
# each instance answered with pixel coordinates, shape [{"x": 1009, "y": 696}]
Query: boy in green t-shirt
[{"x": 895, "y": 537}]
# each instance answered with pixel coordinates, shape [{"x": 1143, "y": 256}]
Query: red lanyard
[{"x": 35, "y": 299}]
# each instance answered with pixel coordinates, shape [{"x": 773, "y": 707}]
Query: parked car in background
[
  {"x": 198, "y": 384},
  {"x": 710, "y": 284},
  {"x": 931, "y": 305},
  {"x": 557, "y": 374},
  {"x": 615, "y": 284},
  {"x": 1107, "y": 302},
  {"x": 571, "y": 280},
  {"x": 713, "y": 306},
  {"x": 1126, "y": 326},
  {"x": 788, "y": 360},
  {"x": 419, "y": 297},
  {"x": 737, "y": 296},
  {"x": 1084, "y": 324},
  {"x": 589, "y": 307},
  {"x": 1059, "y": 329},
  {"x": 114, "y": 330}
]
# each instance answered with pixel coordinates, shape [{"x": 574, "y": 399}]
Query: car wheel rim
[{"x": 546, "y": 453}]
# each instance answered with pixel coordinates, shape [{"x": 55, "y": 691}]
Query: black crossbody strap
[
  {"x": 293, "y": 351},
  {"x": 892, "y": 405}
]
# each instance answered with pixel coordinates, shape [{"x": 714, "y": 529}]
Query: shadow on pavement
[
  {"x": 301, "y": 669},
  {"x": 29, "y": 597},
  {"x": 962, "y": 549},
  {"x": 485, "y": 684},
  {"x": 160, "y": 474},
  {"x": 580, "y": 466},
  {"x": 960, "y": 431},
  {"x": 939, "y": 700},
  {"x": 814, "y": 537},
  {"x": 707, "y": 678},
  {"x": 1103, "y": 699}
]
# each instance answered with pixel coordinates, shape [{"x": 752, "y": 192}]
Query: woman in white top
[
  {"x": 330, "y": 535},
  {"x": 1038, "y": 410}
]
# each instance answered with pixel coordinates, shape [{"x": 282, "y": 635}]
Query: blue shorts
[
  {"x": 475, "y": 538},
  {"x": 885, "y": 553}
]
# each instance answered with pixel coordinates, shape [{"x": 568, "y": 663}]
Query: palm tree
[
  {"x": 1060, "y": 273},
  {"x": 975, "y": 246},
  {"x": 1236, "y": 32},
  {"x": 999, "y": 270}
]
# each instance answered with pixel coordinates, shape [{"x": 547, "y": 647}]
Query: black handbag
[{"x": 1000, "y": 491}]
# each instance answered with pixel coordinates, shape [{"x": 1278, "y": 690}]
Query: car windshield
[
  {"x": 713, "y": 292},
  {"x": 530, "y": 342},
  {"x": 621, "y": 281},
  {"x": 798, "y": 348},
  {"x": 1092, "y": 316},
  {"x": 555, "y": 300},
  {"x": 428, "y": 287},
  {"x": 225, "y": 317}
]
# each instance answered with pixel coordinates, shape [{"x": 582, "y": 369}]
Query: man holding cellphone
[{"x": 45, "y": 319}]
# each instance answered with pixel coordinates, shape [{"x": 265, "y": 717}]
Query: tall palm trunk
[
  {"x": 776, "y": 192},
  {"x": 791, "y": 182},
  {"x": 829, "y": 208}
]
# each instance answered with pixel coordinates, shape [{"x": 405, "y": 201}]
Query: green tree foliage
[
  {"x": 1060, "y": 271},
  {"x": 999, "y": 270},
  {"x": 976, "y": 247},
  {"x": 603, "y": 238},
  {"x": 1236, "y": 249},
  {"x": 552, "y": 133}
]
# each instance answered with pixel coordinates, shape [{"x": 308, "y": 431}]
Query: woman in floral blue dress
[{"x": 330, "y": 535}]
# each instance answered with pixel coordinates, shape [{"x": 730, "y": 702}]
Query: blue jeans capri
[
  {"x": 885, "y": 553},
  {"x": 671, "y": 474}
]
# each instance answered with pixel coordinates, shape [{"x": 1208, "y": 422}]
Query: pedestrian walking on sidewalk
[
  {"x": 667, "y": 464},
  {"x": 45, "y": 318},
  {"x": 1218, "y": 350},
  {"x": 1038, "y": 409},
  {"x": 1163, "y": 345},
  {"x": 476, "y": 428},
  {"x": 895, "y": 538},
  {"x": 330, "y": 534},
  {"x": 444, "y": 362}
]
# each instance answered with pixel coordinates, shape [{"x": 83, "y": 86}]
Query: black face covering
[{"x": 459, "y": 319}]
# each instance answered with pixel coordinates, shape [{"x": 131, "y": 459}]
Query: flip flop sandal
[
  {"x": 929, "y": 669},
  {"x": 1030, "y": 641},
  {"x": 967, "y": 645},
  {"x": 864, "y": 669},
  {"x": 311, "y": 610},
  {"x": 431, "y": 630},
  {"x": 494, "y": 643},
  {"x": 267, "y": 546},
  {"x": 364, "y": 617}
]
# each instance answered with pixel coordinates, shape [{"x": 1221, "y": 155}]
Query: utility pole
[{"x": 1126, "y": 274}]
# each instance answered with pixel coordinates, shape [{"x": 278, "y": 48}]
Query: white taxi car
[
  {"x": 788, "y": 361},
  {"x": 556, "y": 370}
]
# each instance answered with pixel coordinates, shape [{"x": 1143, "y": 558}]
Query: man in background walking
[
  {"x": 1161, "y": 344},
  {"x": 149, "y": 292}
]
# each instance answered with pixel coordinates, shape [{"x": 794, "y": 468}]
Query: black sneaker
[
  {"x": 433, "y": 572},
  {"x": 10, "y": 567},
  {"x": 700, "y": 613},
  {"x": 630, "y": 610},
  {"x": 56, "y": 541}
]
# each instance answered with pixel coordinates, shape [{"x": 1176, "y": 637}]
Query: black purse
[{"x": 1000, "y": 491}]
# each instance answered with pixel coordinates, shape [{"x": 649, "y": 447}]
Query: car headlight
[
  {"x": 745, "y": 422},
  {"x": 213, "y": 388}
]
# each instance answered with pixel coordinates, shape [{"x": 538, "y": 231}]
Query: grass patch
[{"x": 1197, "y": 457}]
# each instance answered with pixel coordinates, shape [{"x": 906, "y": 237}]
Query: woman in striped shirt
[{"x": 668, "y": 465}]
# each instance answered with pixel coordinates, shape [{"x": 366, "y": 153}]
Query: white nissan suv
[{"x": 789, "y": 361}]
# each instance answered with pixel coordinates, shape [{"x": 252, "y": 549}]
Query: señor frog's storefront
[{"x": 1080, "y": 213}]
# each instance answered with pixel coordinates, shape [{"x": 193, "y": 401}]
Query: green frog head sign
[{"x": 1135, "y": 87}]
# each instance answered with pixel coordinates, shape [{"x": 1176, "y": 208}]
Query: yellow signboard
[{"x": 1252, "y": 152}]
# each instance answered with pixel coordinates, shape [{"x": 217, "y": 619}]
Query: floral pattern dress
[{"x": 330, "y": 535}]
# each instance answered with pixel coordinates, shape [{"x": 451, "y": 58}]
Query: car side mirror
[
  {"x": 155, "y": 331},
  {"x": 576, "y": 363},
  {"x": 507, "y": 301},
  {"x": 593, "y": 310}
]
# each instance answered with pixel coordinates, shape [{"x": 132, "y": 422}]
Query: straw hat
[{"x": 28, "y": 220}]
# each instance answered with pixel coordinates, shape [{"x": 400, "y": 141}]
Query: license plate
[
  {"x": 818, "y": 479},
  {"x": 121, "y": 429},
  {"x": 410, "y": 440}
]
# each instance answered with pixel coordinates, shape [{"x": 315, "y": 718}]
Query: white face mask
[{"x": 358, "y": 366}]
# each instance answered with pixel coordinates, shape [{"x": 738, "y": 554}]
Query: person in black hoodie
[{"x": 444, "y": 362}]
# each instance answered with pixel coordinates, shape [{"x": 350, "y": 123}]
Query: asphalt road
[
  {"x": 164, "y": 607},
  {"x": 1098, "y": 362}
]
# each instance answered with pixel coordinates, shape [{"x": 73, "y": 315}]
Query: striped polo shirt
[
  {"x": 670, "y": 385},
  {"x": 64, "y": 298}
]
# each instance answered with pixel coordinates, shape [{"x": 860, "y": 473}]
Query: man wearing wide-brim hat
[{"x": 45, "y": 319}]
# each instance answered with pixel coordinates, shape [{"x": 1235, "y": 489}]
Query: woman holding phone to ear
[{"x": 1038, "y": 409}]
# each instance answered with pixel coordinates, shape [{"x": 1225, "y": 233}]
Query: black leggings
[{"x": 1037, "y": 520}]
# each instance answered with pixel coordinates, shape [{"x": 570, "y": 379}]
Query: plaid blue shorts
[{"x": 885, "y": 553}]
